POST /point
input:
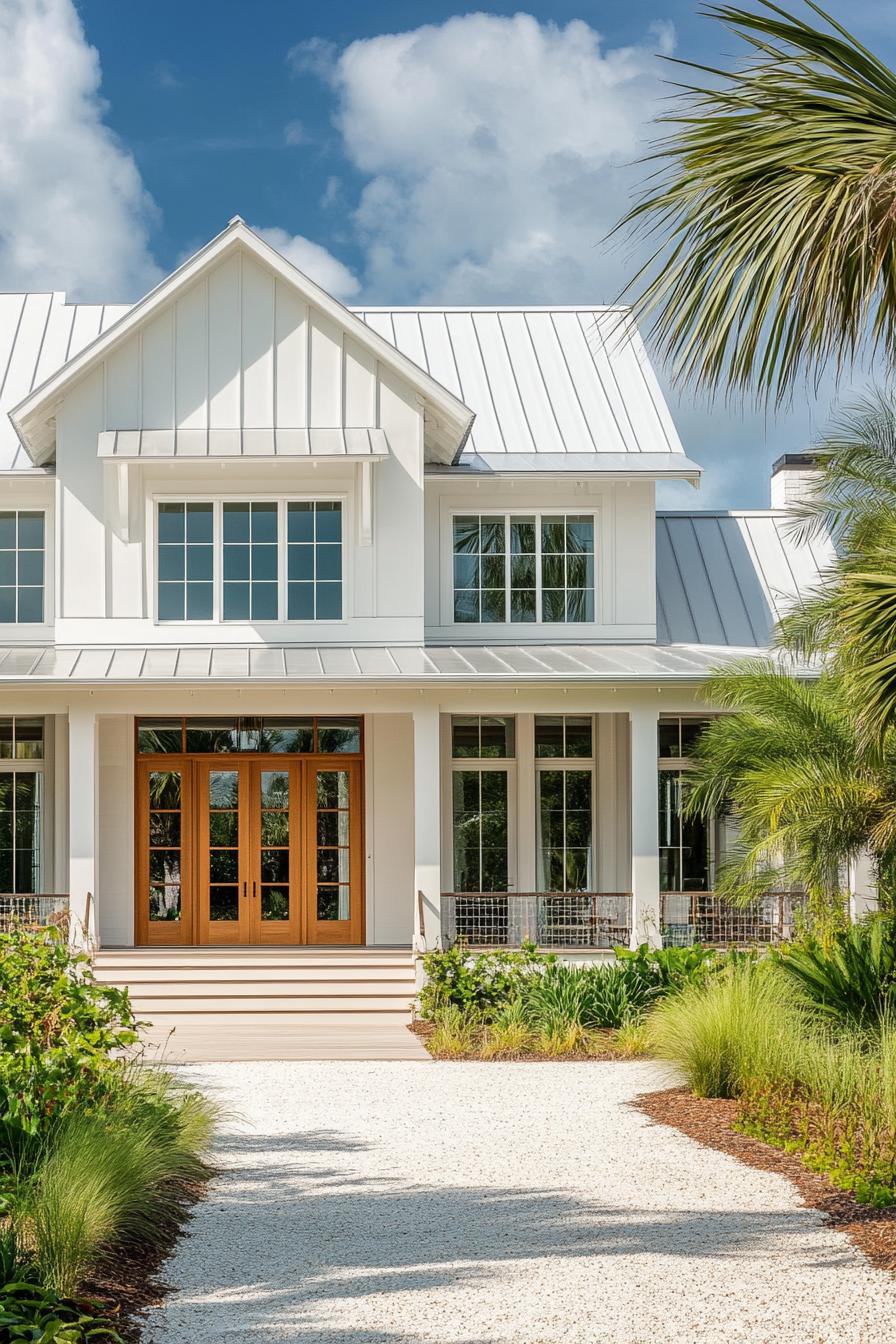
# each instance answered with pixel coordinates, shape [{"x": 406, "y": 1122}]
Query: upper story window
[
  {"x": 249, "y": 560},
  {"x": 523, "y": 568},
  {"x": 22, "y": 564}
]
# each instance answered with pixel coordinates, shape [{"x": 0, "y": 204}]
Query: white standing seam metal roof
[
  {"x": 552, "y": 388},
  {"x": 545, "y": 381},
  {"x": 414, "y": 664},
  {"x": 726, "y": 578},
  {"x": 124, "y": 444}
]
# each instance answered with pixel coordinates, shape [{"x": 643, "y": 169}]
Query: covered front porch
[{"x": 374, "y": 815}]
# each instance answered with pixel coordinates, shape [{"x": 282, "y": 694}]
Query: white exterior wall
[
  {"x": 389, "y": 798},
  {"x": 625, "y": 563},
  {"x": 115, "y": 832},
  {"x": 237, "y": 349}
]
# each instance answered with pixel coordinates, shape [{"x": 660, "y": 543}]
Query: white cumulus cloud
[
  {"x": 498, "y": 153},
  {"x": 74, "y": 213},
  {"x": 314, "y": 261}
]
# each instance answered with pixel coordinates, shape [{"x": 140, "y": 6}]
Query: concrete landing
[{"x": 224, "y": 1042}]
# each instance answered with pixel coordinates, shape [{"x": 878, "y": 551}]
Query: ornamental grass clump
[{"x": 744, "y": 1024}]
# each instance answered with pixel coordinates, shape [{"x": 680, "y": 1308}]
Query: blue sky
[{"x": 399, "y": 152}]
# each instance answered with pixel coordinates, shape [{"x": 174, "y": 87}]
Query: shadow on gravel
[{"x": 289, "y": 1238}]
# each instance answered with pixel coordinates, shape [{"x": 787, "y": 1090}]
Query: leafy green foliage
[
  {"x": 481, "y": 982},
  {"x": 34, "y": 1313},
  {"x": 773, "y": 207},
  {"x": 591, "y": 997},
  {"x": 850, "y": 977},
  {"x": 58, "y": 1028},
  {"x": 671, "y": 968}
]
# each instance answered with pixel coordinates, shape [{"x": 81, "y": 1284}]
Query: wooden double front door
[{"x": 237, "y": 850}]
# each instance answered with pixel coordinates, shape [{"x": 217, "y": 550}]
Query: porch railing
[
  {"x": 34, "y": 912},
  {"x": 556, "y": 920},
  {"x": 689, "y": 917}
]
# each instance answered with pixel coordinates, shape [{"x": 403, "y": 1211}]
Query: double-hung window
[
  {"x": 22, "y": 566},
  {"x": 482, "y": 762},
  {"x": 564, "y": 773},
  {"x": 249, "y": 560},
  {"x": 686, "y": 843},
  {"x": 525, "y": 568},
  {"x": 22, "y": 804}
]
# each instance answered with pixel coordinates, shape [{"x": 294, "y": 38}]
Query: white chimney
[{"x": 793, "y": 477}]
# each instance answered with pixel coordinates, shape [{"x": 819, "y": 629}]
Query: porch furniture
[{"x": 703, "y": 917}]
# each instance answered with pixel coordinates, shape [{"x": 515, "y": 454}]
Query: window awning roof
[
  {"x": 129, "y": 444},
  {"x": 508, "y": 664}
]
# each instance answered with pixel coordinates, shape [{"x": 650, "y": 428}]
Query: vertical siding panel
[
  {"x": 157, "y": 372},
  {"x": 224, "y": 345},
  {"x": 123, "y": 386},
  {"x": 360, "y": 384},
  {"x": 326, "y": 372},
  {"x": 191, "y": 359},
  {"x": 291, "y": 365},
  {"x": 258, "y": 345}
]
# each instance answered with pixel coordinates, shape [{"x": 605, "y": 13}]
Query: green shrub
[
  {"x": 117, "y": 1174},
  {"x": 479, "y": 982},
  {"x": 671, "y": 968},
  {"x": 741, "y": 1025},
  {"x": 40, "y": 1316},
  {"x": 58, "y": 1028},
  {"x": 852, "y": 976},
  {"x": 455, "y": 1032},
  {"x": 589, "y": 997}
]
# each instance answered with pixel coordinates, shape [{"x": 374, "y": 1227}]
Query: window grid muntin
[
  {"x": 321, "y": 548},
  {"x": 23, "y": 556},
  {"x": 515, "y": 520},
  {"x": 564, "y": 765},
  {"x": 256, "y": 546},
  {"x": 480, "y": 766},
  {"x": 217, "y": 504},
  {"x": 323, "y": 729}
]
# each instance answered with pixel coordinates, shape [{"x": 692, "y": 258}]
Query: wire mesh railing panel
[
  {"x": 702, "y": 917},
  {"x": 34, "y": 912},
  {"x": 553, "y": 920}
]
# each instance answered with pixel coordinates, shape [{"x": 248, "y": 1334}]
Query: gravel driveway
[{"x": 409, "y": 1203}]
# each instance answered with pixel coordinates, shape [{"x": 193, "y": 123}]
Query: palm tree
[
  {"x": 774, "y": 207},
  {"x": 809, "y": 794}
]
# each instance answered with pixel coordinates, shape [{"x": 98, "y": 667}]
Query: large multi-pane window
[
  {"x": 22, "y": 564},
  {"x": 314, "y": 560},
  {"x": 564, "y": 769},
  {"x": 686, "y": 843},
  {"x": 523, "y": 568},
  {"x": 482, "y": 755},
  {"x": 249, "y": 560},
  {"x": 21, "y": 805}
]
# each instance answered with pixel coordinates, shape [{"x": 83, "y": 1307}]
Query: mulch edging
[{"x": 710, "y": 1121}]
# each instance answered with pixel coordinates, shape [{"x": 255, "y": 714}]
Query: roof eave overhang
[
  {"x": 33, "y": 418},
  {"x": 608, "y": 466}
]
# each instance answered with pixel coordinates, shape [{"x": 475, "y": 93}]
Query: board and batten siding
[{"x": 240, "y": 348}]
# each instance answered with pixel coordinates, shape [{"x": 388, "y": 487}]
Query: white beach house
[{"x": 305, "y": 611}]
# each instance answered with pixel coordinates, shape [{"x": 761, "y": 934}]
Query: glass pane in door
[
  {"x": 274, "y": 844},
  {"x": 223, "y": 845},
  {"x": 332, "y": 836},
  {"x": 165, "y": 817}
]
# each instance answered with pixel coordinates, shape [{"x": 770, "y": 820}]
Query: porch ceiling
[{"x": 236, "y": 665}]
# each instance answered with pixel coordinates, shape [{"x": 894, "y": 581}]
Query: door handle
[
  {"x": 254, "y": 892},
  {"x": 244, "y": 891}
]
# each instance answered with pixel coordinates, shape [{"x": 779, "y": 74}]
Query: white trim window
[
  {"x": 483, "y": 767},
  {"x": 23, "y": 544},
  {"x": 22, "y": 805},
  {"x": 564, "y": 776},
  {"x": 249, "y": 560},
  {"x": 523, "y": 568}
]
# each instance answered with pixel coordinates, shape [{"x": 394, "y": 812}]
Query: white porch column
[
  {"x": 863, "y": 897},
  {"x": 645, "y": 828},
  {"x": 82, "y": 817},
  {"x": 427, "y": 821}
]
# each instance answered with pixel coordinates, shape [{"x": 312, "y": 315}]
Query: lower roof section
[{"x": 408, "y": 664}]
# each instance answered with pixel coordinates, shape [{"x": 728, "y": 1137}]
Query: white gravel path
[{"x": 415, "y": 1203}]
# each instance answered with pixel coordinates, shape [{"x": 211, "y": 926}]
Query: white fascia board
[
  {"x": 37, "y": 409},
  {"x": 621, "y": 466}
]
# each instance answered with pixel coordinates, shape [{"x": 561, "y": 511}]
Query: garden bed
[
  {"x": 597, "y": 1046},
  {"x": 710, "y": 1122}
]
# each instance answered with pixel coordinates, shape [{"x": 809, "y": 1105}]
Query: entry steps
[{"x": 302, "y": 986}]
